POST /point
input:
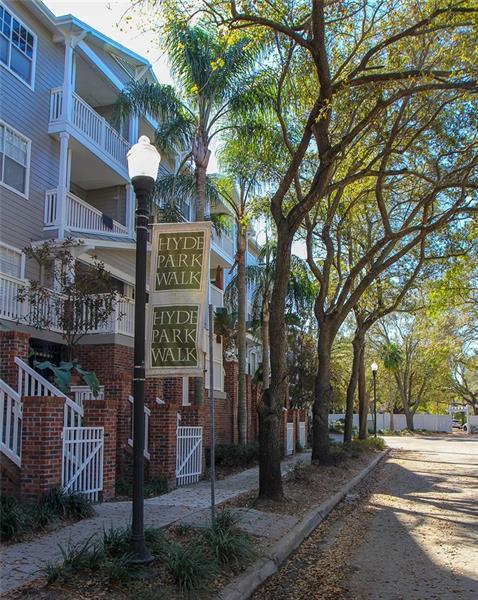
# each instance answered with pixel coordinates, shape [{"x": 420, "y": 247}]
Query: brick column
[
  {"x": 102, "y": 413},
  {"x": 42, "y": 445},
  {"x": 12, "y": 343},
  {"x": 162, "y": 442}
]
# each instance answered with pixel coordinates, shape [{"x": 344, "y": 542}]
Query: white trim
[
  {"x": 185, "y": 392},
  {"x": 30, "y": 84},
  {"x": 27, "y": 166}
]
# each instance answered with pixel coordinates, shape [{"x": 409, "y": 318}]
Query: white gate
[
  {"x": 290, "y": 438},
  {"x": 82, "y": 468},
  {"x": 188, "y": 455},
  {"x": 302, "y": 434}
]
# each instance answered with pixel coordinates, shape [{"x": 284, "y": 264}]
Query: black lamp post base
[{"x": 140, "y": 556}]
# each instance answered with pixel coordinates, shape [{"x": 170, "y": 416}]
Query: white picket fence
[
  {"x": 188, "y": 455},
  {"x": 302, "y": 434},
  {"x": 290, "y": 439},
  {"x": 10, "y": 422},
  {"x": 82, "y": 458},
  {"x": 425, "y": 421},
  {"x": 82, "y": 465}
]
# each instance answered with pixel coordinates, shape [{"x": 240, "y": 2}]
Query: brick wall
[
  {"x": 103, "y": 413},
  {"x": 12, "y": 344},
  {"x": 42, "y": 445}
]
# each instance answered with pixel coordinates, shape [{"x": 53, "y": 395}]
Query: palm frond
[{"x": 160, "y": 100}]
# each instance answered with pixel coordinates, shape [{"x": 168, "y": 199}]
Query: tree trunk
[
  {"x": 241, "y": 335},
  {"x": 357, "y": 344},
  {"x": 323, "y": 395},
  {"x": 201, "y": 155},
  {"x": 362, "y": 395},
  {"x": 266, "y": 365},
  {"x": 270, "y": 410},
  {"x": 409, "y": 418}
]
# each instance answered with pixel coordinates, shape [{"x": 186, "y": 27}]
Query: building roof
[{"x": 69, "y": 23}]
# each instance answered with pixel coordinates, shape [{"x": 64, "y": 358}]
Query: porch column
[
  {"x": 63, "y": 185},
  {"x": 133, "y": 129}
]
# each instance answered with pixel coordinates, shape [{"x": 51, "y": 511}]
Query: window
[
  {"x": 14, "y": 159},
  {"x": 11, "y": 261},
  {"x": 17, "y": 46}
]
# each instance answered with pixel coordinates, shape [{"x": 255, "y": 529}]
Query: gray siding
[
  {"x": 111, "y": 201},
  {"x": 27, "y": 110}
]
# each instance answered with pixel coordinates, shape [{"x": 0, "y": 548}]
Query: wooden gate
[
  {"x": 188, "y": 455},
  {"x": 82, "y": 468}
]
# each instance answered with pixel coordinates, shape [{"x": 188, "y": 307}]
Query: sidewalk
[{"x": 21, "y": 562}]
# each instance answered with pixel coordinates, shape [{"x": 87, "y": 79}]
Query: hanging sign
[{"x": 178, "y": 295}]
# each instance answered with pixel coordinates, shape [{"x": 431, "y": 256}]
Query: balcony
[
  {"x": 91, "y": 129},
  {"x": 79, "y": 216},
  {"x": 224, "y": 246},
  {"x": 121, "y": 320}
]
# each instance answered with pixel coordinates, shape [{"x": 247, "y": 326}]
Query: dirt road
[{"x": 409, "y": 533}]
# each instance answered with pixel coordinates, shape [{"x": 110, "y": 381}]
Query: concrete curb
[{"x": 245, "y": 584}]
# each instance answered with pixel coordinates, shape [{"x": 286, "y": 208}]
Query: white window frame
[
  {"x": 22, "y": 260},
  {"x": 30, "y": 84},
  {"x": 27, "y": 166}
]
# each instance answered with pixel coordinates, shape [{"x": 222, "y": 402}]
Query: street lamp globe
[
  {"x": 374, "y": 367},
  {"x": 143, "y": 163}
]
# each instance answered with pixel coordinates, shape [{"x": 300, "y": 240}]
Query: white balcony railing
[
  {"x": 224, "y": 242},
  {"x": 78, "y": 216},
  {"x": 90, "y": 124},
  {"x": 121, "y": 320}
]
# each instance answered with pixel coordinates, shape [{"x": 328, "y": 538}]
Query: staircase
[{"x": 30, "y": 383}]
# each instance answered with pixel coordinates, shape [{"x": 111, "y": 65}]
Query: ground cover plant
[
  {"x": 19, "y": 520},
  {"x": 188, "y": 562}
]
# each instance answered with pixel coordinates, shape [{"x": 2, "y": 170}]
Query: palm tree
[
  {"x": 212, "y": 75},
  {"x": 392, "y": 359},
  {"x": 260, "y": 278}
]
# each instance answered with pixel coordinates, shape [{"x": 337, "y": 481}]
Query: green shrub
[
  {"x": 13, "y": 520},
  {"x": 155, "y": 541},
  {"x": 120, "y": 568},
  {"x": 115, "y": 542},
  {"x": 67, "y": 506},
  {"x": 190, "y": 566},
  {"x": 156, "y": 487},
  {"x": 123, "y": 488},
  {"x": 229, "y": 546},
  {"x": 235, "y": 455},
  {"x": 371, "y": 443},
  {"x": 300, "y": 472}
]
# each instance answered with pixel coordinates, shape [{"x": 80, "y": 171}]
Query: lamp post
[
  {"x": 143, "y": 164},
  {"x": 374, "y": 367}
]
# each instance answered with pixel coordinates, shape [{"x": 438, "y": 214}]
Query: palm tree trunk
[
  {"x": 241, "y": 335},
  {"x": 200, "y": 175},
  {"x": 266, "y": 365}
]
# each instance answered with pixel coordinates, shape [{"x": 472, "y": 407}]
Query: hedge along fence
[{"x": 235, "y": 455}]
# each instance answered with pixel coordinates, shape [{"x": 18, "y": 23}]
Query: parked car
[{"x": 457, "y": 425}]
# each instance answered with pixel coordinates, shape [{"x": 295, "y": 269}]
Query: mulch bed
[{"x": 306, "y": 486}]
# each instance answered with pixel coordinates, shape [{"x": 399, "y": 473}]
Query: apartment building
[{"x": 63, "y": 174}]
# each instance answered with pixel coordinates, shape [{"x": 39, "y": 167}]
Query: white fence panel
[
  {"x": 82, "y": 466},
  {"x": 302, "y": 434},
  {"x": 472, "y": 424},
  {"x": 290, "y": 439},
  {"x": 426, "y": 421},
  {"x": 188, "y": 455},
  {"x": 10, "y": 422}
]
